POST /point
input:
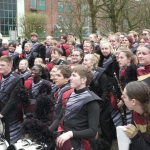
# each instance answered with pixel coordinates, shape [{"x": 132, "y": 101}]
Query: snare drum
[
  {"x": 25, "y": 145},
  {"x": 1, "y": 127},
  {"x": 3, "y": 144}
]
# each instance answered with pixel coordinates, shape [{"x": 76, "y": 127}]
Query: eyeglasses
[
  {"x": 121, "y": 37},
  {"x": 74, "y": 55},
  {"x": 144, "y": 33},
  {"x": 142, "y": 42}
]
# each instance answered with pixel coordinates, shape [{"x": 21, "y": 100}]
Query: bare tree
[
  {"x": 94, "y": 8},
  {"x": 77, "y": 17},
  {"x": 145, "y": 4}
]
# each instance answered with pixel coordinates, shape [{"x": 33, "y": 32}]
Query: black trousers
[{"x": 105, "y": 122}]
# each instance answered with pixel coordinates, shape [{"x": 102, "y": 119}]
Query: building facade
[
  {"x": 48, "y": 7},
  {"x": 58, "y": 20},
  {"x": 8, "y": 10}
]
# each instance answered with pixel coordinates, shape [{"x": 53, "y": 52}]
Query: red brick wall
[{"x": 51, "y": 11}]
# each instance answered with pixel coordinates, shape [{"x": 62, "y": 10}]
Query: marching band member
[
  {"x": 136, "y": 96},
  {"x": 33, "y": 85},
  {"x": 11, "y": 53},
  {"x": 9, "y": 100},
  {"x": 24, "y": 70},
  {"x": 143, "y": 55},
  {"x": 56, "y": 54},
  {"x": 81, "y": 116},
  {"x": 27, "y": 54},
  {"x": 127, "y": 63},
  {"x": 99, "y": 86}
]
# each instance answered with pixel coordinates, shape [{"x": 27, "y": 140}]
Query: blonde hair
[
  {"x": 53, "y": 42},
  {"x": 6, "y": 59},
  {"x": 94, "y": 58},
  {"x": 26, "y": 63},
  {"x": 109, "y": 44},
  {"x": 40, "y": 62}
]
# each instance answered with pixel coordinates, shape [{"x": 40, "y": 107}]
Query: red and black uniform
[
  {"x": 29, "y": 57},
  {"x": 110, "y": 65},
  {"x": 58, "y": 98},
  {"x": 99, "y": 86},
  {"x": 81, "y": 116},
  {"x": 127, "y": 75},
  {"x": 50, "y": 65},
  {"x": 9, "y": 102},
  {"x": 65, "y": 48},
  {"x": 35, "y": 91},
  {"x": 24, "y": 74},
  {"x": 144, "y": 74},
  {"x": 38, "y": 50},
  {"x": 138, "y": 141},
  {"x": 3, "y": 49}
]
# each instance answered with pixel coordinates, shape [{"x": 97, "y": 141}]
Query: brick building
[
  {"x": 55, "y": 9},
  {"x": 12, "y": 10},
  {"x": 48, "y": 7}
]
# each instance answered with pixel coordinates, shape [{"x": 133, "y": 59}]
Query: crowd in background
[{"x": 94, "y": 74}]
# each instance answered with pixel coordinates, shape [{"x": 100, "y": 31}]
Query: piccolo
[
  {"x": 119, "y": 85},
  {"x": 117, "y": 99}
]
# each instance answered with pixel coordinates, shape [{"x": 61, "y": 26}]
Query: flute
[
  {"x": 117, "y": 99},
  {"x": 119, "y": 85}
]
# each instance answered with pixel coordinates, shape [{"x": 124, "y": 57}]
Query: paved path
[{"x": 114, "y": 145}]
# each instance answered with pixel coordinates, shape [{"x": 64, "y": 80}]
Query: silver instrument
[
  {"x": 3, "y": 144},
  {"x": 25, "y": 144}
]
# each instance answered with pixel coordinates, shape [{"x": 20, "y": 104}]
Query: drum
[
  {"x": 3, "y": 144},
  {"x": 1, "y": 127},
  {"x": 25, "y": 144}
]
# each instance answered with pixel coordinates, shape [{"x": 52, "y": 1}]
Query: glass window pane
[
  {"x": 33, "y": 4},
  {"x": 84, "y": 8},
  {"x": 60, "y": 19},
  {"x": 68, "y": 7},
  {"x": 7, "y": 15},
  {"x": 60, "y": 7},
  {"x": 42, "y": 4},
  {"x": 86, "y": 21},
  {"x": 67, "y": 21}
]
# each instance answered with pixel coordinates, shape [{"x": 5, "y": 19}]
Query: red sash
[
  {"x": 5, "y": 53},
  {"x": 49, "y": 66},
  {"x": 113, "y": 101}
]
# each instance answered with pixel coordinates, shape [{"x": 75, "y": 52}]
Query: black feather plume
[
  {"x": 23, "y": 95},
  {"x": 38, "y": 131},
  {"x": 43, "y": 108}
]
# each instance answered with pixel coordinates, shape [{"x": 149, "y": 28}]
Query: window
[
  {"x": 60, "y": 6},
  {"x": 68, "y": 7},
  {"x": 60, "y": 20},
  {"x": 8, "y": 16},
  {"x": 42, "y": 4},
  {"x": 86, "y": 21},
  {"x": 33, "y": 4},
  {"x": 67, "y": 21},
  {"x": 84, "y": 8}
]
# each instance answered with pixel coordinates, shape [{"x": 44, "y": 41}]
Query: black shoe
[{"x": 103, "y": 145}]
